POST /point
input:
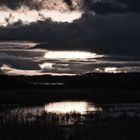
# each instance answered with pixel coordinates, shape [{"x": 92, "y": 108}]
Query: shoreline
[{"x": 95, "y": 87}]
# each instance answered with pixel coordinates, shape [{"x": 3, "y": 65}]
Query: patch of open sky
[{"x": 21, "y": 58}]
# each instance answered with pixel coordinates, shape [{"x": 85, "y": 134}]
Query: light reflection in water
[
  {"x": 71, "y": 112},
  {"x": 69, "y": 107}
]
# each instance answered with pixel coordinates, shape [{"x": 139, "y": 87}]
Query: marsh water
[{"x": 70, "y": 112}]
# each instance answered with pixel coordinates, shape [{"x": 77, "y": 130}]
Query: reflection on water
[
  {"x": 64, "y": 112},
  {"x": 71, "y": 112},
  {"x": 64, "y": 107},
  {"x": 69, "y": 107}
]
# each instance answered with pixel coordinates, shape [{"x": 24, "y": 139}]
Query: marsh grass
[{"x": 43, "y": 129}]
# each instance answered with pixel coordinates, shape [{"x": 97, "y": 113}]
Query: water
[{"x": 71, "y": 112}]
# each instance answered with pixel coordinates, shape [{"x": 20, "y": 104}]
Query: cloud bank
[
  {"x": 106, "y": 27},
  {"x": 105, "y": 34}
]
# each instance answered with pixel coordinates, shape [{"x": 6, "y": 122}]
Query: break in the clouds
[
  {"x": 105, "y": 32},
  {"x": 28, "y": 11},
  {"x": 82, "y": 28},
  {"x": 28, "y": 61}
]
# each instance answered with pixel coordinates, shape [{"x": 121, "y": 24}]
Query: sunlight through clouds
[
  {"x": 34, "y": 16},
  {"x": 57, "y": 11},
  {"x": 25, "y": 58},
  {"x": 70, "y": 55}
]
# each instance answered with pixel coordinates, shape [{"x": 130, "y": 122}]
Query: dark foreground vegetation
[
  {"x": 99, "y": 87},
  {"x": 15, "y": 130},
  {"x": 39, "y": 129},
  {"x": 117, "y": 130}
]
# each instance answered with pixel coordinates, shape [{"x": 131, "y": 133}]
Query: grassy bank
[{"x": 96, "y": 87}]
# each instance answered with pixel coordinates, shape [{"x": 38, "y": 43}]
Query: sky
[{"x": 104, "y": 27}]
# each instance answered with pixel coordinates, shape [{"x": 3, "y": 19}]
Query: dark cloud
[
  {"x": 43, "y": 4},
  {"x": 107, "y": 7},
  {"x": 133, "y": 5},
  {"x": 105, "y": 34},
  {"x": 14, "y": 4},
  {"x": 114, "y": 30},
  {"x": 113, "y": 6},
  {"x": 98, "y": 6},
  {"x": 18, "y": 62}
]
